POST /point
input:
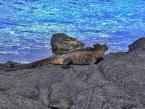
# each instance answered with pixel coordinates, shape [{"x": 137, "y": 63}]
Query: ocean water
[{"x": 26, "y": 26}]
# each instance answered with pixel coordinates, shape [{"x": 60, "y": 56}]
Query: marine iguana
[{"x": 80, "y": 56}]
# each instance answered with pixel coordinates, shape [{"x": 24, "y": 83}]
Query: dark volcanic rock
[
  {"x": 10, "y": 66},
  {"x": 8, "y": 101},
  {"x": 61, "y": 43},
  {"x": 117, "y": 82},
  {"x": 138, "y": 44}
]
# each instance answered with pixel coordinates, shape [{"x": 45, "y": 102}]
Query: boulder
[{"x": 62, "y": 43}]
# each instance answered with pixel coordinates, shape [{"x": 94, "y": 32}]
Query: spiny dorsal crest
[{"x": 99, "y": 46}]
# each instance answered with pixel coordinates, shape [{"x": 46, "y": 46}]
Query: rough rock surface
[
  {"x": 138, "y": 45},
  {"x": 117, "y": 82},
  {"x": 62, "y": 43}
]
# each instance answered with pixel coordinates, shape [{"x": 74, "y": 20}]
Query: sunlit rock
[{"x": 61, "y": 43}]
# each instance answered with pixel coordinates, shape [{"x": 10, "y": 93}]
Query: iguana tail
[{"x": 51, "y": 60}]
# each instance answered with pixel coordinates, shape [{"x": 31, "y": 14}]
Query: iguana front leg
[{"x": 66, "y": 63}]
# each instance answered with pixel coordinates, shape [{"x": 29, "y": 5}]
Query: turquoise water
[{"x": 26, "y": 26}]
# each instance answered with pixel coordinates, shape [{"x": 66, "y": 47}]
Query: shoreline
[{"x": 25, "y": 62}]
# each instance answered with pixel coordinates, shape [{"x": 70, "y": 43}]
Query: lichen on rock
[{"x": 62, "y": 43}]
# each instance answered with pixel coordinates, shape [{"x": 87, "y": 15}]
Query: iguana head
[
  {"x": 99, "y": 50},
  {"x": 100, "y": 47}
]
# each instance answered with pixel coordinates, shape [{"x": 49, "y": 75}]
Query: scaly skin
[{"x": 80, "y": 56}]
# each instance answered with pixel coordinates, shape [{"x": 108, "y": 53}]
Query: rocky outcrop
[
  {"x": 117, "y": 82},
  {"x": 18, "y": 102},
  {"x": 138, "y": 45},
  {"x": 62, "y": 43}
]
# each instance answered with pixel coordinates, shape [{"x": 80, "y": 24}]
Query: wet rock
[
  {"x": 138, "y": 44},
  {"x": 62, "y": 43}
]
